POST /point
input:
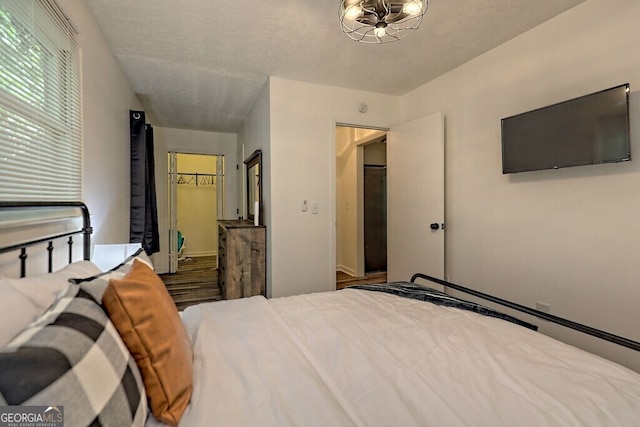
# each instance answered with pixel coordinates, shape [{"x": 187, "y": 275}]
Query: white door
[
  {"x": 220, "y": 187},
  {"x": 415, "y": 198}
]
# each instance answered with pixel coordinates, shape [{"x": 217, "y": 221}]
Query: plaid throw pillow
[
  {"x": 96, "y": 285},
  {"x": 72, "y": 356}
]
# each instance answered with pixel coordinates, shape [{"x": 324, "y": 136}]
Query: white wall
[
  {"x": 106, "y": 101},
  {"x": 256, "y": 135},
  {"x": 303, "y": 166},
  {"x": 376, "y": 154},
  {"x": 193, "y": 142},
  {"x": 567, "y": 237}
]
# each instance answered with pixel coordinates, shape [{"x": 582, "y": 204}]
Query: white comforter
[{"x": 364, "y": 358}]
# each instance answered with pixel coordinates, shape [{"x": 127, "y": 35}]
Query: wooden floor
[
  {"x": 195, "y": 282},
  {"x": 343, "y": 279}
]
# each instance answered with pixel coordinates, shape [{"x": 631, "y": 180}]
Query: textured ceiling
[{"x": 201, "y": 64}]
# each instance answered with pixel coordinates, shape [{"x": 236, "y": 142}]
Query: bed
[{"x": 398, "y": 354}]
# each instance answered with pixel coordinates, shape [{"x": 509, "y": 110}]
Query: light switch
[
  {"x": 304, "y": 206},
  {"x": 314, "y": 208}
]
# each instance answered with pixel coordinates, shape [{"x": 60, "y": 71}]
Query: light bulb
[
  {"x": 353, "y": 12},
  {"x": 379, "y": 32},
  {"x": 412, "y": 8}
]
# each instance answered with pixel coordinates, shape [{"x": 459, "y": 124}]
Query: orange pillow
[{"x": 147, "y": 319}]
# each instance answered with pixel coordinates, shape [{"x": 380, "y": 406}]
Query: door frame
[
  {"x": 172, "y": 198},
  {"x": 360, "y": 144}
]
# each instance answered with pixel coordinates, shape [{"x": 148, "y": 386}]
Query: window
[{"x": 40, "y": 116}]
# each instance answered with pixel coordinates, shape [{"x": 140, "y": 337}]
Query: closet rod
[
  {"x": 197, "y": 173},
  {"x": 200, "y": 178}
]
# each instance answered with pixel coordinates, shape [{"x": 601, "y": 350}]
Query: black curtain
[{"x": 143, "y": 226}]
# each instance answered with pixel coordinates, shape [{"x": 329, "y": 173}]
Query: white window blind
[{"x": 40, "y": 111}]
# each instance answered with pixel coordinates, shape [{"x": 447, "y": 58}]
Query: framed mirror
[{"x": 253, "y": 167}]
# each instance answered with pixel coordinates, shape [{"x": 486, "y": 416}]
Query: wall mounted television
[{"x": 591, "y": 129}]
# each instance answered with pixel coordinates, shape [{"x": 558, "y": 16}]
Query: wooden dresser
[{"x": 241, "y": 259}]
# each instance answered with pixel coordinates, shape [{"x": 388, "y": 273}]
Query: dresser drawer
[{"x": 222, "y": 281}]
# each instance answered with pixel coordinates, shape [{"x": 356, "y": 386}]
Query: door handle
[{"x": 435, "y": 226}]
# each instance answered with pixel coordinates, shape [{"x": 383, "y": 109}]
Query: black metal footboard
[
  {"x": 616, "y": 339},
  {"x": 86, "y": 231}
]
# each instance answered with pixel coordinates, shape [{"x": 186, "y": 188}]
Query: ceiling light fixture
[{"x": 381, "y": 21}]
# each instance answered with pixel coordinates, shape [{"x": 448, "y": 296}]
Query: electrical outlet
[{"x": 314, "y": 208}]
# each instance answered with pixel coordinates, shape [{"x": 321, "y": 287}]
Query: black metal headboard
[{"x": 86, "y": 231}]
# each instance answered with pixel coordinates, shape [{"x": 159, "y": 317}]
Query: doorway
[
  {"x": 415, "y": 198},
  {"x": 361, "y": 206},
  {"x": 196, "y": 198}
]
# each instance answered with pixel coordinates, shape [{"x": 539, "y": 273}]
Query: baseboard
[
  {"x": 346, "y": 270},
  {"x": 199, "y": 254}
]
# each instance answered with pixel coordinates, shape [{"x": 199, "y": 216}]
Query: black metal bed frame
[
  {"x": 616, "y": 339},
  {"x": 86, "y": 231}
]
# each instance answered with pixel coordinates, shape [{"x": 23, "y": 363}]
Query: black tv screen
[{"x": 588, "y": 130}]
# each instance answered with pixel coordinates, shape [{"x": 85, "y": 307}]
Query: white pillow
[
  {"x": 43, "y": 290},
  {"x": 23, "y": 300},
  {"x": 16, "y": 312}
]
